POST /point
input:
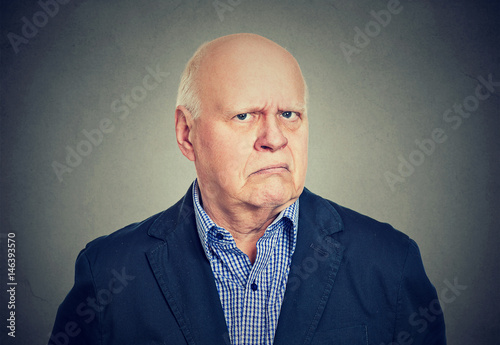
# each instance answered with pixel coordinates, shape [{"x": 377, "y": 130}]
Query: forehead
[{"x": 251, "y": 75}]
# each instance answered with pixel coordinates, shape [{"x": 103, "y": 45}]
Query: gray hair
[{"x": 188, "y": 94}]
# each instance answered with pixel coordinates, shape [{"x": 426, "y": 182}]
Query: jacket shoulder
[
  {"x": 142, "y": 233},
  {"x": 130, "y": 233},
  {"x": 364, "y": 238},
  {"x": 362, "y": 225}
]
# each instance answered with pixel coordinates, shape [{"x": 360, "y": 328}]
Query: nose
[{"x": 270, "y": 136}]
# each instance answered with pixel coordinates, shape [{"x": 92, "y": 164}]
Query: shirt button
[
  {"x": 254, "y": 287},
  {"x": 219, "y": 236}
]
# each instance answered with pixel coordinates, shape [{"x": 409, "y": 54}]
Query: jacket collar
[
  {"x": 168, "y": 221},
  {"x": 187, "y": 282}
]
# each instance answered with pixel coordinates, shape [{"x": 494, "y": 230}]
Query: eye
[
  {"x": 243, "y": 117},
  {"x": 290, "y": 115}
]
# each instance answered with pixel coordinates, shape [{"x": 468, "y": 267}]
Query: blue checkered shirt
[{"x": 251, "y": 295}]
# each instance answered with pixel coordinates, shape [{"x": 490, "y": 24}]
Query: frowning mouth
[{"x": 272, "y": 169}]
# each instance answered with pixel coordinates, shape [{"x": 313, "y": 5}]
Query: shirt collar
[{"x": 207, "y": 228}]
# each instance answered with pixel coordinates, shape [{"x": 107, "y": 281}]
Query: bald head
[{"x": 229, "y": 59}]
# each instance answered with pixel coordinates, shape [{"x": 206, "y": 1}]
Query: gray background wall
[{"x": 364, "y": 114}]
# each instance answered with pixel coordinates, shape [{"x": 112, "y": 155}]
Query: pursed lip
[{"x": 275, "y": 168}]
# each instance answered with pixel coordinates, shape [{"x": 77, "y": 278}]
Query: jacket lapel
[
  {"x": 315, "y": 264},
  {"x": 185, "y": 276}
]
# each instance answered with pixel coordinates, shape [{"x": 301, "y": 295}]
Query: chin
[{"x": 274, "y": 195}]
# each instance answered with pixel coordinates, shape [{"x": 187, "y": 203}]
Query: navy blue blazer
[{"x": 352, "y": 281}]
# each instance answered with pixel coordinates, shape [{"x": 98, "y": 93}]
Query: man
[{"x": 248, "y": 255}]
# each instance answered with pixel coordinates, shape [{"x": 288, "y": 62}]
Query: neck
[{"x": 245, "y": 223}]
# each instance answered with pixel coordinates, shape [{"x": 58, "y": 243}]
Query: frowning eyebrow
[{"x": 299, "y": 107}]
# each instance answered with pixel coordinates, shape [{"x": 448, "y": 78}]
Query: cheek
[
  {"x": 235, "y": 153},
  {"x": 230, "y": 163},
  {"x": 299, "y": 144},
  {"x": 224, "y": 153},
  {"x": 300, "y": 156}
]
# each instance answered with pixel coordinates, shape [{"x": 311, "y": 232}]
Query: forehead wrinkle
[
  {"x": 226, "y": 62},
  {"x": 262, "y": 107}
]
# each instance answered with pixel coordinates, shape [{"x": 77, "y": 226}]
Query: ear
[{"x": 183, "y": 126}]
